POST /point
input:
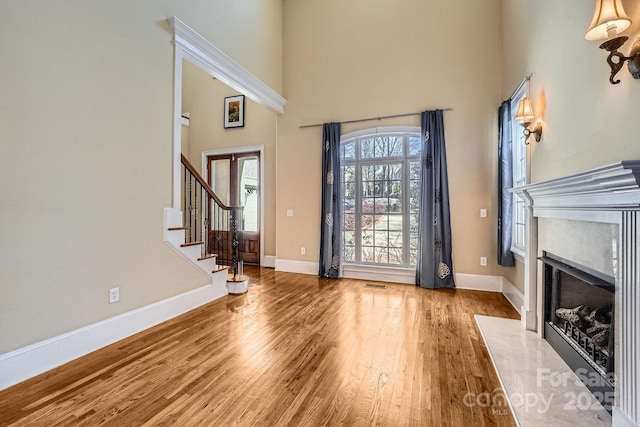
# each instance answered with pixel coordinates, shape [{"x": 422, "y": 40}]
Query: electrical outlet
[
  {"x": 289, "y": 212},
  {"x": 483, "y": 261},
  {"x": 303, "y": 250},
  {"x": 114, "y": 295},
  {"x": 483, "y": 213}
]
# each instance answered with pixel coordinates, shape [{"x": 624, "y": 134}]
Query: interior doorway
[{"x": 235, "y": 178}]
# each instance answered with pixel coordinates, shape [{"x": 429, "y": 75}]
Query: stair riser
[
  {"x": 192, "y": 252},
  {"x": 207, "y": 264},
  {"x": 175, "y": 237}
]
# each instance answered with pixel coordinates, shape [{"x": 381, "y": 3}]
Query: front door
[{"x": 235, "y": 178}]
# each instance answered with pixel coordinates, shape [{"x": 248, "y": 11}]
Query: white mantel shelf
[
  {"x": 609, "y": 194},
  {"x": 608, "y": 188}
]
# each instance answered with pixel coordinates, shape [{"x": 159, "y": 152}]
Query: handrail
[
  {"x": 204, "y": 184},
  {"x": 208, "y": 222}
]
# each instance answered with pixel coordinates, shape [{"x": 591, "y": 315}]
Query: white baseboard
[
  {"x": 24, "y": 363},
  {"x": 463, "y": 281},
  {"x": 513, "y": 295},
  {"x": 620, "y": 419},
  {"x": 292, "y": 266},
  {"x": 382, "y": 274},
  {"x": 479, "y": 282},
  {"x": 269, "y": 261}
]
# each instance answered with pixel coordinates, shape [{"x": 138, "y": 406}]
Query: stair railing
[{"x": 209, "y": 222}]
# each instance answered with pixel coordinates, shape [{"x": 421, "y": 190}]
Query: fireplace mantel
[
  {"x": 607, "y": 194},
  {"x": 592, "y": 195}
]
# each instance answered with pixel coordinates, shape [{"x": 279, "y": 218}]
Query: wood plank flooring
[{"x": 296, "y": 350}]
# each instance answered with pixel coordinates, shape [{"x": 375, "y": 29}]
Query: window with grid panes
[
  {"x": 519, "y": 156},
  {"x": 380, "y": 196}
]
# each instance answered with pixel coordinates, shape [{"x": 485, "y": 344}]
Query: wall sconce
[
  {"x": 525, "y": 114},
  {"x": 609, "y": 20}
]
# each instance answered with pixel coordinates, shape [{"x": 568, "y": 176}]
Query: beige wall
[
  {"x": 515, "y": 275},
  {"x": 349, "y": 60},
  {"x": 85, "y": 169},
  {"x": 203, "y": 97},
  {"x": 104, "y": 70},
  {"x": 587, "y": 121},
  {"x": 184, "y": 138}
]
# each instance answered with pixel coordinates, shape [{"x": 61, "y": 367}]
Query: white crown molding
[
  {"x": 608, "y": 188},
  {"x": 222, "y": 67}
]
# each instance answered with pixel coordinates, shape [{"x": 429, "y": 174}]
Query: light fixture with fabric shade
[
  {"x": 526, "y": 115},
  {"x": 609, "y": 20},
  {"x": 525, "y": 112}
]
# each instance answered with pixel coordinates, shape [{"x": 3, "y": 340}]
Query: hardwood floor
[{"x": 296, "y": 350}]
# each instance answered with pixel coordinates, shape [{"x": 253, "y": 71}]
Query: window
[
  {"x": 519, "y": 153},
  {"x": 380, "y": 195}
]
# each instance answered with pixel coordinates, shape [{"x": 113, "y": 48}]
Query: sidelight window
[{"x": 519, "y": 162}]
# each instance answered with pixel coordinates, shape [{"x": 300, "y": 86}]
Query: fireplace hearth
[{"x": 579, "y": 322}]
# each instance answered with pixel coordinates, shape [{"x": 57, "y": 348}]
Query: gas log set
[{"x": 589, "y": 328}]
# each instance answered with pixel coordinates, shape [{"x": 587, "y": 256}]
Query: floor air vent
[{"x": 371, "y": 285}]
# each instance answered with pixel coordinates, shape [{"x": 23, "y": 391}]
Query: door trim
[{"x": 246, "y": 149}]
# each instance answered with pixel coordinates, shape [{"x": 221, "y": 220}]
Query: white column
[
  {"x": 627, "y": 404},
  {"x": 177, "y": 127},
  {"x": 529, "y": 309}
]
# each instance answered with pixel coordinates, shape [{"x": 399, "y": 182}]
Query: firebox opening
[{"x": 579, "y": 322}]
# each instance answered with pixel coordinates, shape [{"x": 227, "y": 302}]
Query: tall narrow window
[
  {"x": 520, "y": 177},
  {"x": 380, "y": 194}
]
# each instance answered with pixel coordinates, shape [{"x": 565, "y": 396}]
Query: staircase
[
  {"x": 176, "y": 238},
  {"x": 207, "y": 233}
]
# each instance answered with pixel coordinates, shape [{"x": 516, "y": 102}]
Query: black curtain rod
[{"x": 373, "y": 118}]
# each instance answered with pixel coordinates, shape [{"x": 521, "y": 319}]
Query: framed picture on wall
[{"x": 234, "y": 111}]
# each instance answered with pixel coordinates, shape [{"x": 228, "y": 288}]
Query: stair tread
[
  {"x": 184, "y": 245},
  {"x": 220, "y": 268},
  {"x": 209, "y": 256},
  {"x": 237, "y": 278},
  {"x": 176, "y": 228}
]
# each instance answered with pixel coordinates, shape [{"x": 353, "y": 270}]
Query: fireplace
[
  {"x": 609, "y": 197},
  {"x": 579, "y": 322}
]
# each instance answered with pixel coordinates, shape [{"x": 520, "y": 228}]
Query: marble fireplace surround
[{"x": 609, "y": 195}]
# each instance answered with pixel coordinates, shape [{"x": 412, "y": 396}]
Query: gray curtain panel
[
  {"x": 434, "y": 268},
  {"x": 505, "y": 182},
  {"x": 330, "y": 239}
]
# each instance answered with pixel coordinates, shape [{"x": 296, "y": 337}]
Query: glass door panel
[
  {"x": 221, "y": 179},
  {"x": 248, "y": 177}
]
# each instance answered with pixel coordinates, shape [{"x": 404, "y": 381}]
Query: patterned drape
[
  {"x": 505, "y": 182},
  {"x": 330, "y": 239},
  {"x": 435, "y": 264}
]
